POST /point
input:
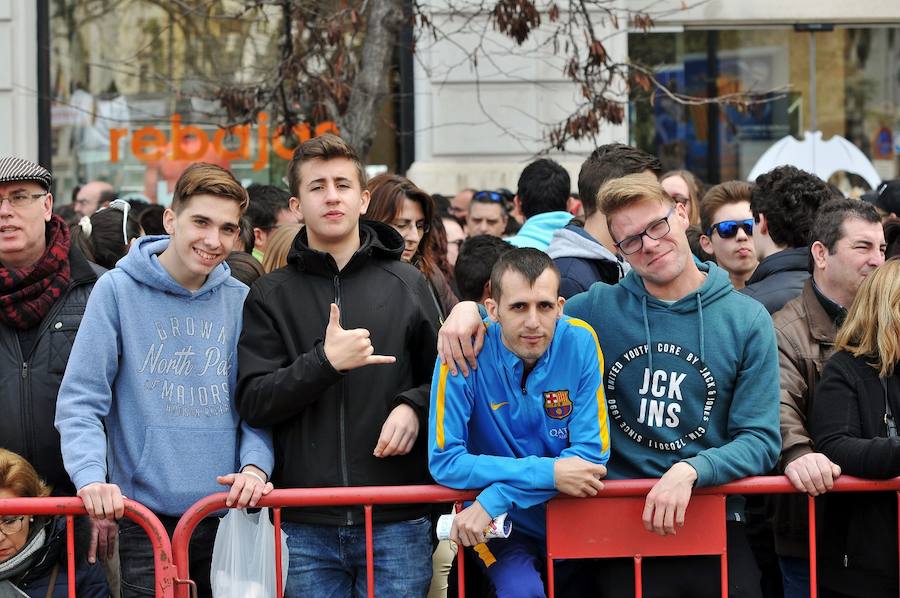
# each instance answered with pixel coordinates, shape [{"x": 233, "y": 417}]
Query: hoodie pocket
[{"x": 178, "y": 466}]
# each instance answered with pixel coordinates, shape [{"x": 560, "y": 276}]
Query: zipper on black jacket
[{"x": 345, "y": 475}]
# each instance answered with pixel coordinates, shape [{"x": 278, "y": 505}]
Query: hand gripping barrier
[
  {"x": 609, "y": 525},
  {"x": 308, "y": 497},
  {"x": 70, "y": 507}
]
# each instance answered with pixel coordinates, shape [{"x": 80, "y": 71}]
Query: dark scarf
[{"x": 27, "y": 294}]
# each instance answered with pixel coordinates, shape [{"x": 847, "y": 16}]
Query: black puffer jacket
[
  {"x": 779, "y": 278},
  {"x": 858, "y": 544},
  {"x": 326, "y": 423},
  {"x": 29, "y": 384}
]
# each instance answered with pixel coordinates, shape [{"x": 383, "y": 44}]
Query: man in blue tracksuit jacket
[{"x": 529, "y": 423}]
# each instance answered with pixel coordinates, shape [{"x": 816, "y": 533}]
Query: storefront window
[
  {"x": 134, "y": 83},
  {"x": 857, "y": 89}
]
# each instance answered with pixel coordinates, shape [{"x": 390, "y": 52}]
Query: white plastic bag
[{"x": 243, "y": 559}]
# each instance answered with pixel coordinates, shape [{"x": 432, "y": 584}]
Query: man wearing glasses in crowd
[
  {"x": 487, "y": 214},
  {"x": 691, "y": 383},
  {"x": 45, "y": 281}
]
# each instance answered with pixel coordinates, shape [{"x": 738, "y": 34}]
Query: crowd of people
[{"x": 353, "y": 332}]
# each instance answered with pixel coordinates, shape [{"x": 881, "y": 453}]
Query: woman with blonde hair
[
  {"x": 279, "y": 246},
  {"x": 33, "y": 548},
  {"x": 854, "y": 424}
]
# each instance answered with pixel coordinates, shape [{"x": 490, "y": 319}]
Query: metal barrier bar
[
  {"x": 163, "y": 565},
  {"x": 813, "y": 569},
  {"x": 368, "y": 496}
]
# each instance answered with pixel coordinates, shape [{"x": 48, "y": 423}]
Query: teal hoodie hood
[{"x": 692, "y": 380}]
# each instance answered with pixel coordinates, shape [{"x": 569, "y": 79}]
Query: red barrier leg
[
  {"x": 813, "y": 568},
  {"x": 723, "y": 561},
  {"x": 279, "y": 591},
  {"x": 551, "y": 590},
  {"x": 370, "y": 553},
  {"x": 460, "y": 562},
  {"x": 70, "y": 553},
  {"x": 638, "y": 582}
]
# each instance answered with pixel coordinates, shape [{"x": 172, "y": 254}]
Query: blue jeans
[
  {"x": 795, "y": 576},
  {"x": 330, "y": 562}
]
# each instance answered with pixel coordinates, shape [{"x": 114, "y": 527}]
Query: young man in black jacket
[{"x": 336, "y": 356}]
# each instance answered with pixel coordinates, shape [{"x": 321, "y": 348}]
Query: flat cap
[{"x": 18, "y": 169}]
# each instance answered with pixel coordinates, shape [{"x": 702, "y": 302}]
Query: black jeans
[
  {"x": 136, "y": 556},
  {"x": 686, "y": 576}
]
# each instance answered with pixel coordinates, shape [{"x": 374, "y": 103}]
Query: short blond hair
[
  {"x": 279, "y": 246},
  {"x": 872, "y": 327},
  {"x": 627, "y": 190}
]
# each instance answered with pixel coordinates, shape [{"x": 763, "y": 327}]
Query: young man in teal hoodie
[
  {"x": 691, "y": 382},
  {"x": 145, "y": 409}
]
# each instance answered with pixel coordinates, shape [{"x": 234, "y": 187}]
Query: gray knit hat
[{"x": 18, "y": 169}]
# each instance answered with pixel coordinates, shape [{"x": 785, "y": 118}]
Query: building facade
[{"x": 116, "y": 94}]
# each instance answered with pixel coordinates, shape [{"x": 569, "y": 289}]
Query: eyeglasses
[
  {"x": 488, "y": 196},
  {"x": 656, "y": 230},
  {"x": 12, "y": 525},
  {"x": 123, "y": 206},
  {"x": 729, "y": 228},
  {"x": 20, "y": 199}
]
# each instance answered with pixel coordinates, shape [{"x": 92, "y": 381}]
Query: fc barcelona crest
[{"x": 557, "y": 404}]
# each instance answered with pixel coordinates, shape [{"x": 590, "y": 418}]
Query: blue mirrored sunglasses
[
  {"x": 729, "y": 228},
  {"x": 488, "y": 196}
]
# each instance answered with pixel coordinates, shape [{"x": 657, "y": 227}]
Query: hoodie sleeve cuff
[
  {"x": 705, "y": 470},
  {"x": 89, "y": 475},
  {"x": 260, "y": 459}
]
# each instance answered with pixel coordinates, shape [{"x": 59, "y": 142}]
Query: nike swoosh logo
[{"x": 496, "y": 406}]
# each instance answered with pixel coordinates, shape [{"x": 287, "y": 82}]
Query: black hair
[
  {"x": 892, "y": 238},
  {"x": 152, "y": 220},
  {"x": 244, "y": 267},
  {"x": 828, "y": 227},
  {"x": 266, "y": 201},
  {"x": 527, "y": 261},
  {"x": 248, "y": 239},
  {"x": 790, "y": 198},
  {"x": 607, "y": 162},
  {"x": 105, "y": 245},
  {"x": 543, "y": 187},
  {"x": 106, "y": 197},
  {"x": 475, "y": 262}
]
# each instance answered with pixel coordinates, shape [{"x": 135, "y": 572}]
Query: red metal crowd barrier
[
  {"x": 71, "y": 507},
  {"x": 368, "y": 496},
  {"x": 609, "y": 526}
]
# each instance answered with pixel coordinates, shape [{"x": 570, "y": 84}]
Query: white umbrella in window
[{"x": 813, "y": 154}]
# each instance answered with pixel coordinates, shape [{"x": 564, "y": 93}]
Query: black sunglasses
[{"x": 729, "y": 228}]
